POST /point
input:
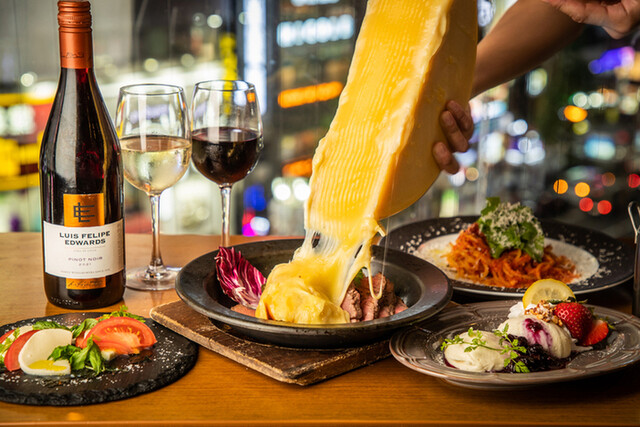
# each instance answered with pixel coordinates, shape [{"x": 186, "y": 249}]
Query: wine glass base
[{"x": 147, "y": 279}]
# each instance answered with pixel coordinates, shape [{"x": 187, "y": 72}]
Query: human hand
[
  {"x": 457, "y": 125},
  {"x": 616, "y": 17}
]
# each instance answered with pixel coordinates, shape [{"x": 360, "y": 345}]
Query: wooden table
[{"x": 219, "y": 391}]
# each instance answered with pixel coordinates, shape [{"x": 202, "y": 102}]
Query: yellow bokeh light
[
  {"x": 560, "y": 186},
  {"x": 472, "y": 174},
  {"x": 575, "y": 114},
  {"x": 582, "y": 189}
]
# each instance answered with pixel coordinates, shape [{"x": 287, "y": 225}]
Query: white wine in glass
[{"x": 153, "y": 126}]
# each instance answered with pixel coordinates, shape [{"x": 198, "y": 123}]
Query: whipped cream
[{"x": 479, "y": 360}]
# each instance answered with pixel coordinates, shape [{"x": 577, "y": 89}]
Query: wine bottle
[{"x": 81, "y": 179}]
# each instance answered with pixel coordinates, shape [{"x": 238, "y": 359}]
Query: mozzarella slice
[{"x": 33, "y": 357}]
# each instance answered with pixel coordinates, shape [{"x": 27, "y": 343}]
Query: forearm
[{"x": 527, "y": 34}]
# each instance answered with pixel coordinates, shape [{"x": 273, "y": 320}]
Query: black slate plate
[
  {"x": 171, "y": 358},
  {"x": 423, "y": 287},
  {"x": 615, "y": 260}
]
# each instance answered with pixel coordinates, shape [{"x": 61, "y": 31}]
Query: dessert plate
[
  {"x": 418, "y": 348},
  {"x": 423, "y": 287},
  {"x": 601, "y": 260}
]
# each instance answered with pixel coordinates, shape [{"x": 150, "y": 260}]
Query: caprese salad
[{"x": 50, "y": 348}]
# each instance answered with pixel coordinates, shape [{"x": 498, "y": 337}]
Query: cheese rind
[{"x": 411, "y": 56}]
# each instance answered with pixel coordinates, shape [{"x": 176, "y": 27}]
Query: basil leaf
[
  {"x": 79, "y": 358},
  {"x": 123, "y": 311},
  {"x": 86, "y": 325},
  {"x": 95, "y": 359},
  {"x": 63, "y": 352},
  {"x": 45, "y": 324}
]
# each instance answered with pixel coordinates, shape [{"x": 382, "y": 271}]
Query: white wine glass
[
  {"x": 226, "y": 136},
  {"x": 152, "y": 122}
]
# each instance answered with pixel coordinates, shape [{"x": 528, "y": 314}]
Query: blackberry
[{"x": 536, "y": 359}]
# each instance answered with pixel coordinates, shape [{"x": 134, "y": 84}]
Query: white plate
[
  {"x": 419, "y": 348},
  {"x": 601, "y": 260}
]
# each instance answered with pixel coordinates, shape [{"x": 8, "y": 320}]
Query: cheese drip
[{"x": 411, "y": 56}]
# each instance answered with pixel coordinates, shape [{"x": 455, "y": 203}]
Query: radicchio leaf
[{"x": 239, "y": 280}]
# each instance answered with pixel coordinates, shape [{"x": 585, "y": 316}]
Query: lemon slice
[{"x": 545, "y": 290}]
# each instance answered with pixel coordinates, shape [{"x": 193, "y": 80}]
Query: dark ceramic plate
[
  {"x": 418, "y": 348},
  {"x": 423, "y": 287},
  {"x": 612, "y": 261},
  {"x": 171, "y": 358}
]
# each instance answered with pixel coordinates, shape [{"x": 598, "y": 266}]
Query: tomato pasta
[{"x": 470, "y": 257}]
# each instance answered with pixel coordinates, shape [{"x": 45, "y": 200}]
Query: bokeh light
[
  {"x": 575, "y": 114},
  {"x": 608, "y": 179},
  {"x": 596, "y": 99},
  {"x": 580, "y": 99},
  {"x": 582, "y": 189},
  {"x": 581, "y": 128},
  {"x": 604, "y": 207},
  {"x": 634, "y": 180},
  {"x": 560, "y": 186},
  {"x": 472, "y": 174},
  {"x": 586, "y": 204}
]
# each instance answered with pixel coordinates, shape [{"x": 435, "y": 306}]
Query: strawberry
[
  {"x": 576, "y": 317},
  {"x": 599, "y": 331}
]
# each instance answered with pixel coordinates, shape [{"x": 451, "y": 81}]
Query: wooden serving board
[{"x": 296, "y": 366}]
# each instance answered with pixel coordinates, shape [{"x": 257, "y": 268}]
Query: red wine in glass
[
  {"x": 225, "y": 155},
  {"x": 226, "y": 134}
]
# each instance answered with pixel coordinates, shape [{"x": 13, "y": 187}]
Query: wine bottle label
[{"x": 84, "y": 250}]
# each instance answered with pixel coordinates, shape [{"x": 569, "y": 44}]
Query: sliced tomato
[
  {"x": 11, "y": 358},
  {"x": 4, "y": 337},
  {"x": 122, "y": 334},
  {"x": 81, "y": 340},
  {"x": 116, "y": 346}
]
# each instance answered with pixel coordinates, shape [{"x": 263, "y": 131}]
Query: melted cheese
[{"x": 411, "y": 56}]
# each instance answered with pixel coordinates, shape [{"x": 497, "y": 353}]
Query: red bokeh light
[
  {"x": 586, "y": 204},
  {"x": 604, "y": 207},
  {"x": 634, "y": 180}
]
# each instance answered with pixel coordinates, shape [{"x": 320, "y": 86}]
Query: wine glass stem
[
  {"x": 225, "y": 194},
  {"x": 156, "y": 258}
]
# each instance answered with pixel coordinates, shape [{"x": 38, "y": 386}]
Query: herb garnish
[
  {"x": 81, "y": 358},
  {"x": 4, "y": 346},
  {"x": 509, "y": 346},
  {"x": 511, "y": 226},
  {"x": 123, "y": 311}
]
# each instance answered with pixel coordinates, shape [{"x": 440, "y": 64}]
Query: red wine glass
[{"x": 226, "y": 136}]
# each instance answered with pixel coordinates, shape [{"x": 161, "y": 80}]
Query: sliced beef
[
  {"x": 351, "y": 303},
  {"x": 389, "y": 300},
  {"x": 369, "y": 304},
  {"x": 373, "y": 308},
  {"x": 400, "y": 306}
]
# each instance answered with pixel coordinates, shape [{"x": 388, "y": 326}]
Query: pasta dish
[{"x": 471, "y": 258}]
